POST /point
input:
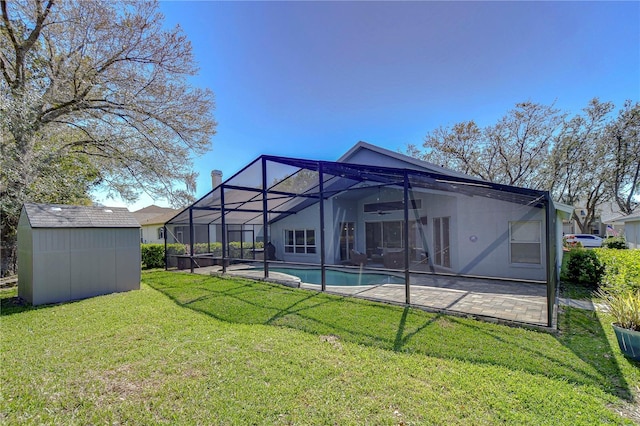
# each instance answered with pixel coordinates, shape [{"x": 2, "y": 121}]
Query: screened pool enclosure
[{"x": 436, "y": 233}]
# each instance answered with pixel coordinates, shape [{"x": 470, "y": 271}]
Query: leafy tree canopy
[
  {"x": 585, "y": 159},
  {"x": 95, "y": 94}
]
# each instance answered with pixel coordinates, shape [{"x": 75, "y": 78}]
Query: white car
[{"x": 587, "y": 240}]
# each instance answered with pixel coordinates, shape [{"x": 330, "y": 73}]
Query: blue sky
[{"x": 310, "y": 79}]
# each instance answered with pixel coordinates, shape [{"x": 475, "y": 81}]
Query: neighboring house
[
  {"x": 152, "y": 219},
  {"x": 453, "y": 223},
  {"x": 631, "y": 229},
  {"x": 604, "y": 223},
  {"x": 152, "y": 230}
]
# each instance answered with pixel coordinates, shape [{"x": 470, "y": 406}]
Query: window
[
  {"x": 525, "y": 242},
  {"x": 301, "y": 241},
  {"x": 161, "y": 233}
]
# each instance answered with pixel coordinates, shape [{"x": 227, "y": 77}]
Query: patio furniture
[
  {"x": 393, "y": 259},
  {"x": 358, "y": 258}
]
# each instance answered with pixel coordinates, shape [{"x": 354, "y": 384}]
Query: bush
[
  {"x": 232, "y": 252},
  {"x": 584, "y": 268},
  {"x": 153, "y": 254},
  {"x": 617, "y": 243},
  {"x": 622, "y": 268}
]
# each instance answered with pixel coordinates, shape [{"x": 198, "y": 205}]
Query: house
[
  {"x": 604, "y": 223},
  {"x": 402, "y": 213},
  {"x": 631, "y": 229},
  {"x": 462, "y": 225},
  {"x": 152, "y": 219}
]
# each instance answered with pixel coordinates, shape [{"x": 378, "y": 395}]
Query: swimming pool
[{"x": 314, "y": 276}]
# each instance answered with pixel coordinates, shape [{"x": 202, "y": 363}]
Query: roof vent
[
  {"x": 56, "y": 209},
  {"x": 108, "y": 211}
]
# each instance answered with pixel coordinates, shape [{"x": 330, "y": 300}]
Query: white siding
[
  {"x": 308, "y": 218},
  {"x": 482, "y": 238},
  {"x": 149, "y": 234}
]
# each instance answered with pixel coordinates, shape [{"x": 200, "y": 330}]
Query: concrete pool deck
[{"x": 509, "y": 301}]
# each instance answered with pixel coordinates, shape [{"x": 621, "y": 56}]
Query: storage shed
[{"x": 74, "y": 252}]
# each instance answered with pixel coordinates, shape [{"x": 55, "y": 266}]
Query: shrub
[
  {"x": 622, "y": 268},
  {"x": 615, "y": 243},
  {"x": 233, "y": 250},
  {"x": 584, "y": 268},
  {"x": 152, "y": 255}
]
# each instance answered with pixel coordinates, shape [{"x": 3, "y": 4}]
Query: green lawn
[{"x": 199, "y": 350}]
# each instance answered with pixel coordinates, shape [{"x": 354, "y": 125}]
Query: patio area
[{"x": 508, "y": 301}]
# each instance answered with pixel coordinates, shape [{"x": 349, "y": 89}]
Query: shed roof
[{"x": 65, "y": 216}]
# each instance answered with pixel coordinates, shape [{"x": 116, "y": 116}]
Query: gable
[{"x": 365, "y": 153}]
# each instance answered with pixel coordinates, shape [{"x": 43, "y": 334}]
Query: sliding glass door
[{"x": 381, "y": 235}]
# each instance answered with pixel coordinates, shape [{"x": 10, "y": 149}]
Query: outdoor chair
[
  {"x": 393, "y": 259},
  {"x": 357, "y": 258}
]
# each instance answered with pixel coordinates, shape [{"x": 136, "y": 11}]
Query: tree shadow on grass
[
  {"x": 583, "y": 333},
  {"x": 577, "y": 354}
]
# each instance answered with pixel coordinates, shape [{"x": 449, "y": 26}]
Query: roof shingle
[{"x": 65, "y": 216}]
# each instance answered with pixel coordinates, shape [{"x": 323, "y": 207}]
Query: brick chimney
[{"x": 216, "y": 178}]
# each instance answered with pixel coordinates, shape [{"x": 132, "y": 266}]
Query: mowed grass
[{"x": 191, "y": 349}]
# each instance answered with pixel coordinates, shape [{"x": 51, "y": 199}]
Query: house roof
[
  {"x": 65, "y": 216},
  {"x": 565, "y": 208},
  {"x": 159, "y": 219},
  {"x": 153, "y": 215},
  {"x": 410, "y": 162},
  {"x": 634, "y": 217}
]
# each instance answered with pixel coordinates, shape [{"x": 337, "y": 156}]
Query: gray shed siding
[
  {"x": 70, "y": 263},
  {"x": 25, "y": 258}
]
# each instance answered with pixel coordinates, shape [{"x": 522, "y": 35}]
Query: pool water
[{"x": 314, "y": 276}]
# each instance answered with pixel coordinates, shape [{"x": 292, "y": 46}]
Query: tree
[
  {"x": 584, "y": 160},
  {"x": 579, "y": 162},
  {"x": 512, "y": 152},
  {"x": 95, "y": 93},
  {"x": 623, "y": 136}
]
